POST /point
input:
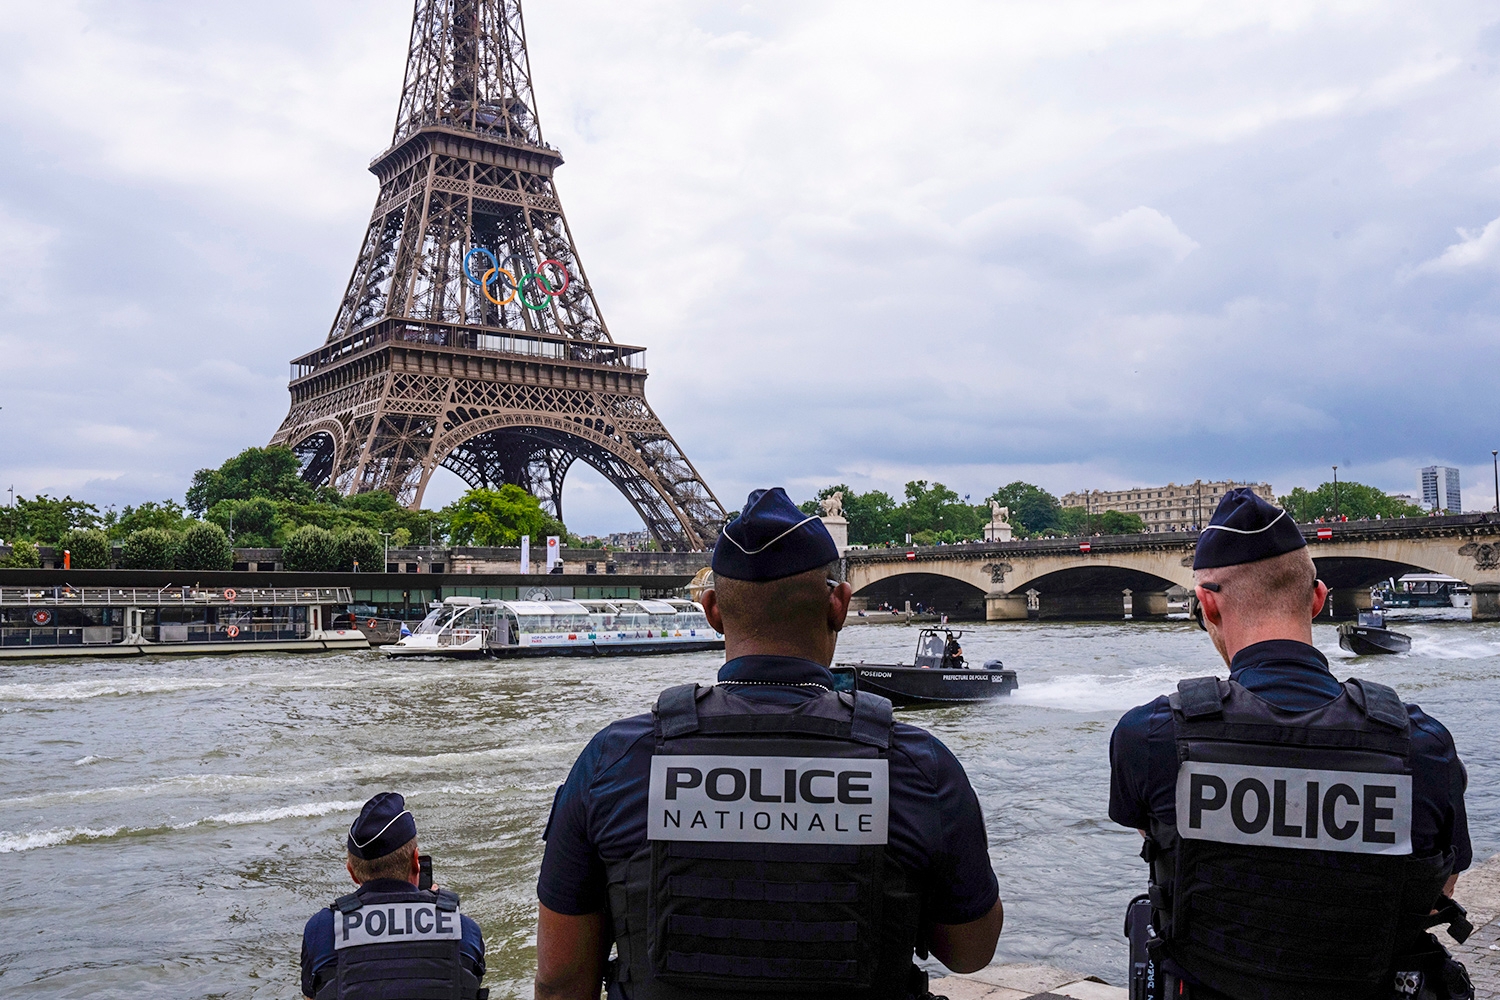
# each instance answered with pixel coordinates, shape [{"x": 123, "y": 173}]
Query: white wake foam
[{"x": 11, "y": 843}]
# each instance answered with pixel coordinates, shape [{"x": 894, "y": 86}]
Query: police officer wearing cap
[
  {"x": 1302, "y": 833},
  {"x": 764, "y": 835},
  {"x": 389, "y": 938}
]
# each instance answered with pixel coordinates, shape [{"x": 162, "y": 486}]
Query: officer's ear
[
  {"x": 710, "y": 602},
  {"x": 349, "y": 867},
  {"x": 838, "y": 605},
  {"x": 1320, "y": 597},
  {"x": 1208, "y": 600}
]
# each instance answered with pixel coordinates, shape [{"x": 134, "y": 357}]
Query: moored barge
[{"x": 55, "y": 621}]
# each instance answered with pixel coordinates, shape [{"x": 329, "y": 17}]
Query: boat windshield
[
  {"x": 1371, "y": 619},
  {"x": 433, "y": 622},
  {"x": 930, "y": 650}
]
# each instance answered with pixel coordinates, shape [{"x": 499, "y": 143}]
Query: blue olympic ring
[{"x": 517, "y": 287}]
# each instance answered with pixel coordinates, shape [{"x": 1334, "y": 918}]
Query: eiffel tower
[{"x": 469, "y": 336}]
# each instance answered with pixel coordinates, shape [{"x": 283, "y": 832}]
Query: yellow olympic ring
[{"x": 485, "y": 286}]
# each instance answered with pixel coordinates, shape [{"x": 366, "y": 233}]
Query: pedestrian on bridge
[
  {"x": 1299, "y": 830},
  {"x": 766, "y": 835}
]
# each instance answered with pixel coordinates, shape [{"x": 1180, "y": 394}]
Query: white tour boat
[
  {"x": 54, "y": 621},
  {"x": 469, "y": 626}
]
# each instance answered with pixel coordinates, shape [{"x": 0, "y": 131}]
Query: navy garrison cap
[
  {"x": 383, "y": 825},
  {"x": 1245, "y": 529},
  {"x": 771, "y": 539}
]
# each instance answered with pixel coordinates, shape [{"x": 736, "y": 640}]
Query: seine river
[{"x": 167, "y": 825}]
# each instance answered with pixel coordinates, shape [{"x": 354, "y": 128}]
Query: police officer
[
  {"x": 1300, "y": 831},
  {"x": 765, "y": 835},
  {"x": 389, "y": 938}
]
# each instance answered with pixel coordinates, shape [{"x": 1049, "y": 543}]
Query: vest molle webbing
[
  {"x": 1289, "y": 873},
  {"x": 767, "y": 870},
  {"x": 399, "y": 946}
]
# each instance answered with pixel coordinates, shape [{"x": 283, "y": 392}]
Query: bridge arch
[{"x": 959, "y": 599}]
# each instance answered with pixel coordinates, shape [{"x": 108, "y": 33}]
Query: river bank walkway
[{"x": 1478, "y": 890}]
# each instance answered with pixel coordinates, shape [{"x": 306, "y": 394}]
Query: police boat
[
  {"x": 1369, "y": 636},
  {"x": 471, "y": 627},
  {"x": 939, "y": 675}
]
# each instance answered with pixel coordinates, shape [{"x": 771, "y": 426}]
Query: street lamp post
[
  {"x": 1495, "y": 460},
  {"x": 1335, "y": 492}
]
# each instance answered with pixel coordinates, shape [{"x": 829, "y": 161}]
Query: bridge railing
[{"x": 1455, "y": 524}]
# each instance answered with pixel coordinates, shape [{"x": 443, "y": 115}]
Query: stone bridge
[{"x": 1087, "y": 577}]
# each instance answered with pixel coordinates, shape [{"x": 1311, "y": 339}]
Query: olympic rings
[
  {"x": 539, "y": 279},
  {"x": 468, "y": 256},
  {"x": 485, "y": 286}
]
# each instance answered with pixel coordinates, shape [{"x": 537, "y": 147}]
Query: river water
[{"x": 167, "y": 825}]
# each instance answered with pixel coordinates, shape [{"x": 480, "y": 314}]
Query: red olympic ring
[{"x": 566, "y": 279}]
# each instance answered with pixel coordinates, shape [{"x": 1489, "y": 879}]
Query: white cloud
[
  {"x": 1475, "y": 249},
  {"x": 1081, "y": 242}
]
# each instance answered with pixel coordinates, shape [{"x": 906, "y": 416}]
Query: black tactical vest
[
  {"x": 1290, "y": 873},
  {"x": 766, "y": 868},
  {"x": 399, "y": 946}
]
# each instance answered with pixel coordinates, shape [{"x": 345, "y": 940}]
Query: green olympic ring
[{"x": 517, "y": 288}]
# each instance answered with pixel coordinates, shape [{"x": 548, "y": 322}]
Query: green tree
[
  {"x": 870, "y": 515},
  {"x": 400, "y": 538},
  {"x": 1355, "y": 501},
  {"x": 44, "y": 520},
  {"x": 499, "y": 517},
  {"x": 204, "y": 546},
  {"x": 1078, "y": 521},
  {"x": 273, "y": 472},
  {"x": 253, "y": 523},
  {"x": 1032, "y": 509},
  {"x": 310, "y": 549},
  {"x": 149, "y": 548},
  {"x": 167, "y": 515},
  {"x": 937, "y": 509},
  {"x": 23, "y": 555},
  {"x": 88, "y": 548},
  {"x": 360, "y": 546}
]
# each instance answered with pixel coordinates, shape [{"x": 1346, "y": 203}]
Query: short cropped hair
[
  {"x": 775, "y": 608},
  {"x": 1281, "y": 585},
  {"x": 395, "y": 865}
]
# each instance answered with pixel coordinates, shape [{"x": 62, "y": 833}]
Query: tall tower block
[{"x": 469, "y": 336}]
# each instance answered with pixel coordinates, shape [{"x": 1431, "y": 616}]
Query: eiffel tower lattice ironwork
[{"x": 469, "y": 337}]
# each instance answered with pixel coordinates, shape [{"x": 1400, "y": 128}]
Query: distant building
[
  {"x": 1440, "y": 489},
  {"x": 1171, "y": 507},
  {"x": 629, "y": 541},
  {"x": 1405, "y": 498}
]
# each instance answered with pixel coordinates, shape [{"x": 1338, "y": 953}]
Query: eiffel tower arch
[{"x": 469, "y": 337}]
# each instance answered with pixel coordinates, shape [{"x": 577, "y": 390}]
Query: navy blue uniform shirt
[
  {"x": 317, "y": 938},
  {"x": 1293, "y": 676},
  {"x": 936, "y": 829}
]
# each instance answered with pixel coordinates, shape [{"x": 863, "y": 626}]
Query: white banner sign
[
  {"x": 772, "y": 800},
  {"x": 1351, "y": 811}
]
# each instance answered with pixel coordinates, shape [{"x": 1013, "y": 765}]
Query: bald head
[
  {"x": 798, "y": 615},
  {"x": 1281, "y": 585},
  {"x": 1274, "y": 598}
]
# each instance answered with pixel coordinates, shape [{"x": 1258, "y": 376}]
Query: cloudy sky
[{"x": 1080, "y": 243}]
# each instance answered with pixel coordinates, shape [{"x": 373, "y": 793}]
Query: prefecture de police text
[
  {"x": 1352, "y": 811},
  {"x": 781, "y": 800},
  {"x": 395, "y": 922}
]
